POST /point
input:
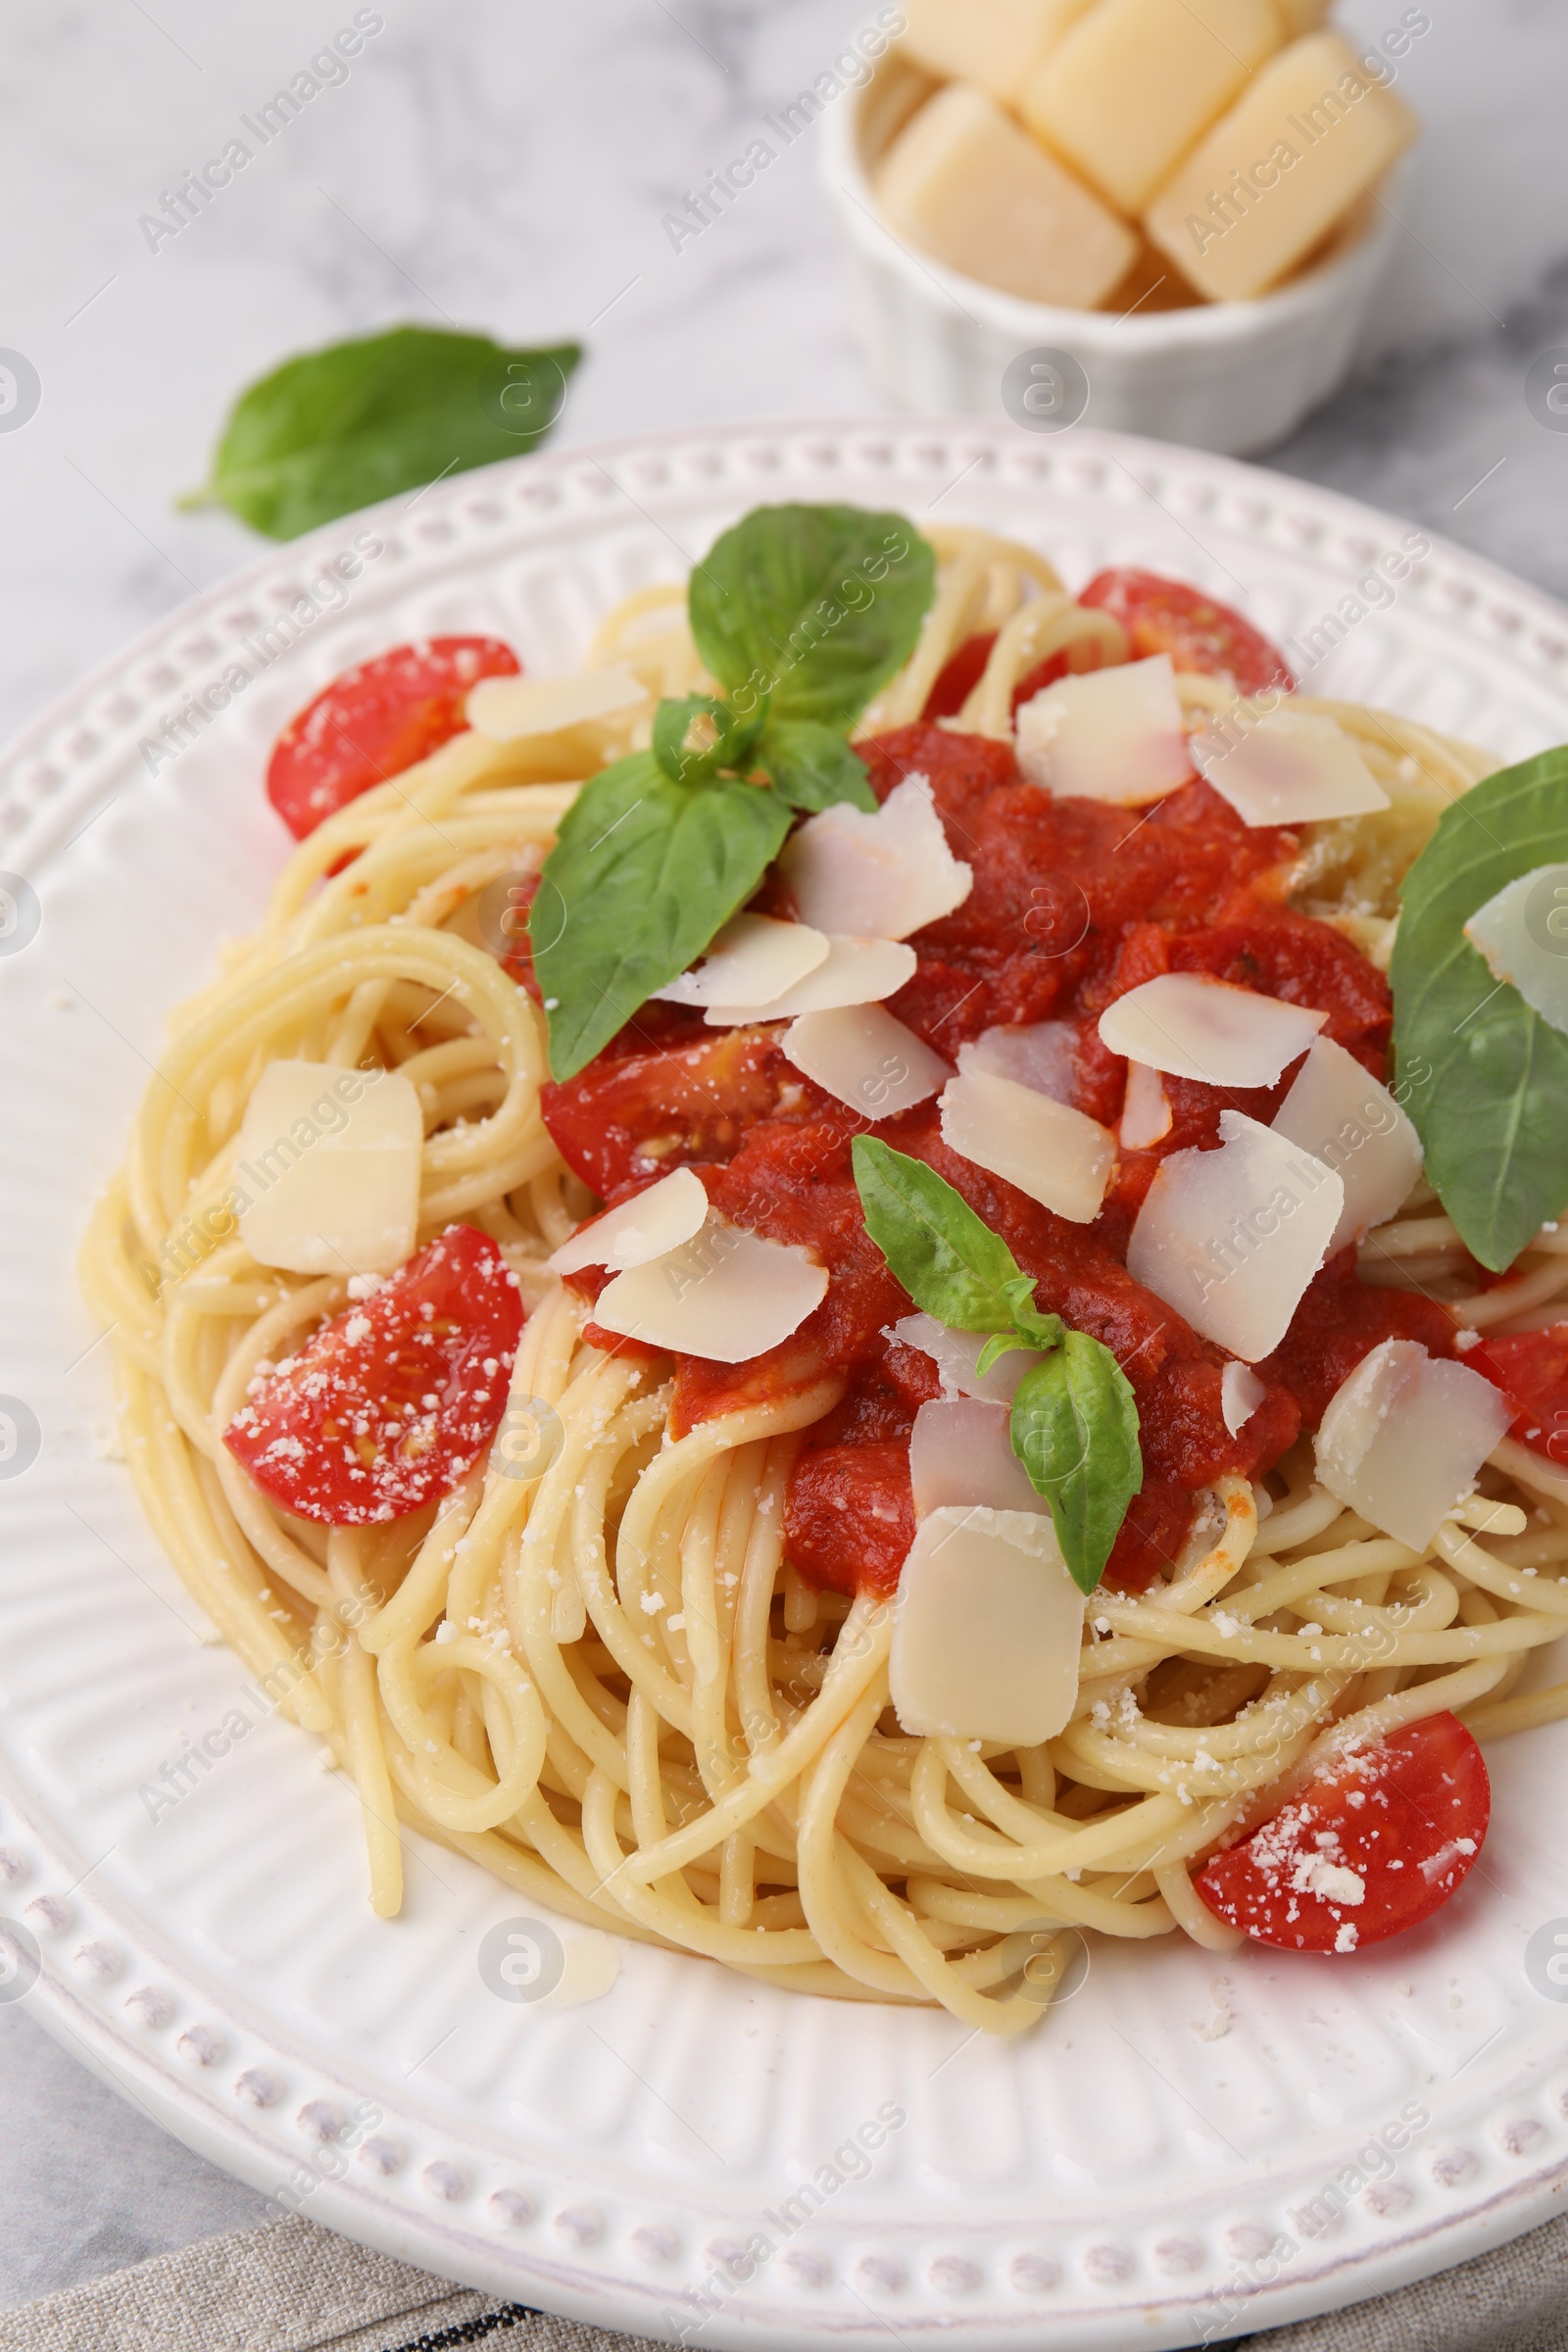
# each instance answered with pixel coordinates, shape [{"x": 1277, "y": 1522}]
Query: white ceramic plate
[{"x": 1150, "y": 2166}]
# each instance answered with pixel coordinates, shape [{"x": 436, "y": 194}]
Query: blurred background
[{"x": 507, "y": 166}]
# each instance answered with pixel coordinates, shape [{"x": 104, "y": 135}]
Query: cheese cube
[
  {"x": 326, "y": 1177},
  {"x": 1153, "y": 284},
  {"x": 1313, "y": 132},
  {"x": 1126, "y": 93},
  {"x": 968, "y": 186},
  {"x": 991, "y": 42}
]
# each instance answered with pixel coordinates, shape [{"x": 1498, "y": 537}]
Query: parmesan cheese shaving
[
  {"x": 1146, "y": 1114},
  {"x": 671, "y": 1211},
  {"x": 876, "y": 877},
  {"x": 854, "y": 971},
  {"x": 1230, "y": 1238},
  {"x": 961, "y": 1455},
  {"x": 1107, "y": 735},
  {"x": 1191, "y": 1026},
  {"x": 863, "y": 1057},
  {"x": 1353, "y": 1125},
  {"x": 986, "y": 1630},
  {"x": 955, "y": 1353},
  {"x": 1404, "y": 1436},
  {"x": 1054, "y": 1153},
  {"x": 1290, "y": 767},
  {"x": 751, "y": 961},
  {"x": 1523, "y": 934},
  {"x": 1241, "y": 1393},
  {"x": 1040, "y": 1057},
  {"x": 327, "y": 1174},
  {"x": 726, "y": 1294}
]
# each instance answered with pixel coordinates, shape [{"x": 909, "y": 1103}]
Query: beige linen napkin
[{"x": 292, "y": 2287}]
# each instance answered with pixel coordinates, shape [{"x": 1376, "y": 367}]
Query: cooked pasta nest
[{"x": 607, "y": 1686}]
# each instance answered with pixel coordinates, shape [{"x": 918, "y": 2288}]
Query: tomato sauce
[{"x": 1073, "y": 904}]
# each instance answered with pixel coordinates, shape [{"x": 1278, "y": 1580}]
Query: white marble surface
[{"x": 505, "y": 164}]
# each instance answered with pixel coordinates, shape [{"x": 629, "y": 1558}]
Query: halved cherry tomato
[
  {"x": 1531, "y": 1370},
  {"x": 964, "y": 670},
  {"x": 620, "y": 1121},
  {"x": 374, "y": 721},
  {"x": 393, "y": 1401},
  {"x": 1166, "y": 617},
  {"x": 1045, "y": 673},
  {"x": 958, "y": 679},
  {"x": 1373, "y": 1845}
]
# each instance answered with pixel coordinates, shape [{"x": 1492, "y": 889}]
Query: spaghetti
[{"x": 608, "y": 1684}]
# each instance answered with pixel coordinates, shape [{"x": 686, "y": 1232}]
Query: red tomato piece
[
  {"x": 958, "y": 679},
  {"x": 392, "y": 1403},
  {"x": 374, "y": 721},
  {"x": 621, "y": 1121},
  {"x": 1373, "y": 1845},
  {"x": 1166, "y": 617},
  {"x": 1045, "y": 673},
  {"x": 1531, "y": 1370},
  {"x": 964, "y": 670}
]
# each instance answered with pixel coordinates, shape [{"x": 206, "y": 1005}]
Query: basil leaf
[
  {"x": 734, "y": 745},
  {"x": 1033, "y": 1329},
  {"x": 337, "y": 429},
  {"x": 812, "y": 766},
  {"x": 948, "y": 1259},
  {"x": 1042, "y": 1333},
  {"x": 814, "y": 606},
  {"x": 642, "y": 874},
  {"x": 1483, "y": 1077},
  {"x": 1075, "y": 1431}
]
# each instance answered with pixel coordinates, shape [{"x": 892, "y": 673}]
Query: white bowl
[{"x": 1232, "y": 376}]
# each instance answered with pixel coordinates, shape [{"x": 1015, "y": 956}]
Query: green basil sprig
[
  {"x": 642, "y": 874},
  {"x": 799, "y": 613},
  {"x": 809, "y": 609},
  {"x": 337, "y": 429},
  {"x": 1074, "y": 1418},
  {"x": 1484, "y": 1078}
]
